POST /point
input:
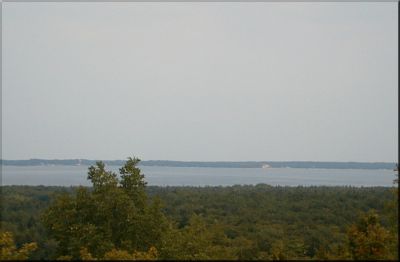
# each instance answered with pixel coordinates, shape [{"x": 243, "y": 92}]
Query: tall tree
[{"x": 114, "y": 215}]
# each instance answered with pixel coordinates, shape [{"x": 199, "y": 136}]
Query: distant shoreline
[{"x": 216, "y": 164}]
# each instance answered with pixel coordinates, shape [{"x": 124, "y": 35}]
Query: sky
[{"x": 200, "y": 81}]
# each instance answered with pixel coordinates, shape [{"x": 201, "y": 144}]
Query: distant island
[{"x": 217, "y": 164}]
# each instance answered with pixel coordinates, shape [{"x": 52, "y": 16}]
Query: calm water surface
[{"x": 195, "y": 176}]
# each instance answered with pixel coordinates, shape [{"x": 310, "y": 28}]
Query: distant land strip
[{"x": 217, "y": 164}]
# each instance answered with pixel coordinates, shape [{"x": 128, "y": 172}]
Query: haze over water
[{"x": 194, "y": 176}]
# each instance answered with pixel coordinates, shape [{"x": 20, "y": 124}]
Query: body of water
[{"x": 195, "y": 176}]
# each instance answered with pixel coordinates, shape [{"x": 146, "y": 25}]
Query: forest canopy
[{"x": 120, "y": 217}]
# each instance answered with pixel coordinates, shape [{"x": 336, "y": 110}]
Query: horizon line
[{"x": 213, "y": 161}]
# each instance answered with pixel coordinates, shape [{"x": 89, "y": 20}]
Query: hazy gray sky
[{"x": 200, "y": 81}]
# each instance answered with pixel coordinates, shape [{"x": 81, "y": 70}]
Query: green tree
[
  {"x": 198, "y": 240},
  {"x": 368, "y": 240},
  {"x": 114, "y": 215}
]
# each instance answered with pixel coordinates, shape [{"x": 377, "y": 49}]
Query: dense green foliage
[
  {"x": 296, "y": 222},
  {"x": 21, "y": 208},
  {"x": 119, "y": 217},
  {"x": 115, "y": 214}
]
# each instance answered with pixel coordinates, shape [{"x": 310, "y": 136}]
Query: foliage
[
  {"x": 8, "y": 250},
  {"x": 115, "y": 214},
  {"x": 368, "y": 240},
  {"x": 238, "y": 222},
  {"x": 392, "y": 212},
  {"x": 21, "y": 207},
  {"x": 116, "y": 254}
]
